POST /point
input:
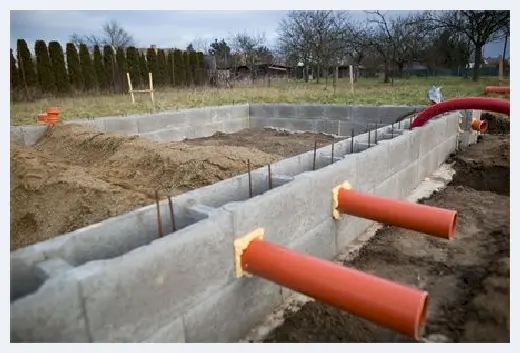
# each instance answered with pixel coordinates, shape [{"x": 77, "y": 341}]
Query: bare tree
[
  {"x": 480, "y": 27},
  {"x": 202, "y": 44},
  {"x": 314, "y": 37},
  {"x": 248, "y": 48},
  {"x": 113, "y": 34},
  {"x": 295, "y": 37}
]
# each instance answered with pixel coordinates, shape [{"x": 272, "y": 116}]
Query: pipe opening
[
  {"x": 453, "y": 224},
  {"x": 421, "y": 317}
]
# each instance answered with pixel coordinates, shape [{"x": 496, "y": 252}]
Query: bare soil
[
  {"x": 74, "y": 177},
  {"x": 467, "y": 278},
  {"x": 277, "y": 142}
]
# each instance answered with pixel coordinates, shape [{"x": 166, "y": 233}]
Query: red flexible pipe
[
  {"x": 496, "y": 105},
  {"x": 497, "y": 89}
]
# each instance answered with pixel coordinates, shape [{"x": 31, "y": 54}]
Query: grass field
[{"x": 366, "y": 91}]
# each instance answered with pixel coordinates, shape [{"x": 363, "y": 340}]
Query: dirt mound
[
  {"x": 485, "y": 166},
  {"x": 75, "y": 177},
  {"x": 497, "y": 124}
]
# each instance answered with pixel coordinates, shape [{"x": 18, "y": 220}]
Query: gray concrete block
[
  {"x": 33, "y": 133},
  {"x": 426, "y": 165},
  {"x": 17, "y": 135},
  {"x": 389, "y": 188},
  {"x": 260, "y": 111},
  {"x": 126, "y": 126},
  {"x": 310, "y": 111},
  {"x": 349, "y": 229},
  {"x": 152, "y": 122},
  {"x": 338, "y": 112},
  {"x": 23, "y": 277},
  {"x": 97, "y": 124},
  {"x": 255, "y": 122},
  {"x": 53, "y": 314},
  {"x": 365, "y": 113},
  {"x": 220, "y": 114},
  {"x": 452, "y": 124},
  {"x": 326, "y": 126},
  {"x": 319, "y": 242},
  {"x": 177, "y": 118},
  {"x": 372, "y": 167},
  {"x": 323, "y": 181},
  {"x": 285, "y": 111},
  {"x": 283, "y": 213},
  {"x": 198, "y": 116},
  {"x": 52, "y": 268},
  {"x": 232, "y": 126},
  {"x": 228, "y": 315},
  {"x": 169, "y": 134},
  {"x": 407, "y": 180},
  {"x": 240, "y": 111},
  {"x": 173, "y": 332},
  {"x": 400, "y": 153},
  {"x": 154, "y": 284}
]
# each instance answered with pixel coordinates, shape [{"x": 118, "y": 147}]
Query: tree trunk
[
  {"x": 478, "y": 60},
  {"x": 504, "y": 53},
  {"x": 327, "y": 76},
  {"x": 400, "y": 68},
  {"x": 387, "y": 73},
  {"x": 318, "y": 74}
]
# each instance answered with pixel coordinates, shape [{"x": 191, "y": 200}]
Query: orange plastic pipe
[
  {"x": 479, "y": 125},
  {"x": 392, "y": 305},
  {"x": 52, "y": 116},
  {"x": 497, "y": 89},
  {"x": 434, "y": 221}
]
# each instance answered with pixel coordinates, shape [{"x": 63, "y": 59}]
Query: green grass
[{"x": 411, "y": 91}]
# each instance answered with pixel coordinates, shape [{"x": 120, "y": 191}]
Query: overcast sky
[{"x": 162, "y": 28}]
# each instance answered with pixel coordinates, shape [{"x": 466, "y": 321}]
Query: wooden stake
[
  {"x": 159, "y": 223},
  {"x": 269, "y": 176},
  {"x": 250, "y": 181},
  {"x": 150, "y": 79},
  {"x": 130, "y": 88},
  {"x": 172, "y": 216}
]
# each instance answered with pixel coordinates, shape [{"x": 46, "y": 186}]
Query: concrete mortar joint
[
  {"x": 335, "y": 201},
  {"x": 240, "y": 245}
]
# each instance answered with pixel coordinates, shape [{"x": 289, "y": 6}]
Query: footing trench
[{"x": 201, "y": 281}]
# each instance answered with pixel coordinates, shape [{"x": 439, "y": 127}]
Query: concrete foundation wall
[
  {"x": 182, "y": 124},
  {"x": 116, "y": 281}
]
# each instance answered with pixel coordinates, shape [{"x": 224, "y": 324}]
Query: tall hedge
[
  {"x": 110, "y": 66},
  {"x": 15, "y": 77},
  {"x": 89, "y": 74},
  {"x": 162, "y": 70},
  {"x": 180, "y": 75},
  {"x": 44, "y": 68},
  {"x": 121, "y": 70},
  {"x": 99, "y": 67},
  {"x": 58, "y": 66},
  {"x": 25, "y": 64},
  {"x": 132, "y": 64},
  {"x": 169, "y": 68},
  {"x": 203, "y": 74},
  {"x": 73, "y": 66},
  {"x": 188, "y": 72},
  {"x": 194, "y": 66},
  {"x": 143, "y": 69},
  {"x": 153, "y": 66}
]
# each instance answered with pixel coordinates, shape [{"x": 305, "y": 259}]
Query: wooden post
[
  {"x": 130, "y": 88},
  {"x": 150, "y": 79}
]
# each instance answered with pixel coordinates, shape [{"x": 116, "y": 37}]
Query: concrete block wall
[{"x": 181, "y": 288}]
